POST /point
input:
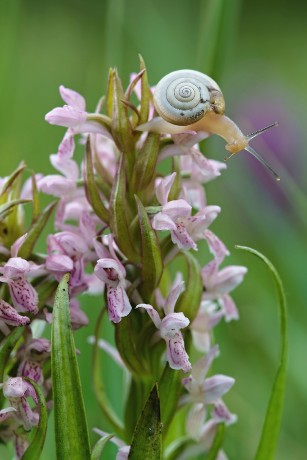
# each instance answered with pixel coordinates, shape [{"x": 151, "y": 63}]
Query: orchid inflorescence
[{"x": 120, "y": 226}]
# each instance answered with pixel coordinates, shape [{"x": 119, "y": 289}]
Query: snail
[{"x": 187, "y": 100}]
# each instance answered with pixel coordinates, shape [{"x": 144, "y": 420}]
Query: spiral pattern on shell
[{"x": 183, "y": 97}]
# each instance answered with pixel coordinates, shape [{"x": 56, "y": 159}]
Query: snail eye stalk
[{"x": 256, "y": 155}]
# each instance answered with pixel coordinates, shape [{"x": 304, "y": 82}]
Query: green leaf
[
  {"x": 35, "y": 232},
  {"x": 136, "y": 399},
  {"x": 145, "y": 164},
  {"x": 152, "y": 265},
  {"x": 71, "y": 431},
  {"x": 6, "y": 347},
  {"x": 190, "y": 299},
  {"x": 217, "y": 443},
  {"x": 118, "y": 214},
  {"x": 270, "y": 430},
  {"x": 99, "y": 446},
  {"x": 7, "y": 208},
  {"x": 91, "y": 188},
  {"x": 170, "y": 388},
  {"x": 147, "y": 439},
  {"x": 35, "y": 448},
  {"x": 99, "y": 388}
]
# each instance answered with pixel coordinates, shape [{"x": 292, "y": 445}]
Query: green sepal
[
  {"x": 152, "y": 265},
  {"x": 189, "y": 301},
  {"x": 98, "y": 384},
  {"x": 145, "y": 93},
  {"x": 146, "y": 160},
  {"x": 147, "y": 438},
  {"x": 121, "y": 129},
  {"x": 170, "y": 389},
  {"x": 36, "y": 445},
  {"x": 35, "y": 231},
  {"x": 35, "y": 202},
  {"x": 91, "y": 189},
  {"x": 118, "y": 214},
  {"x": 6, "y": 347},
  {"x": 71, "y": 433},
  {"x": 110, "y": 92},
  {"x": 269, "y": 436},
  {"x": 99, "y": 446},
  {"x": 11, "y": 179},
  {"x": 7, "y": 208}
]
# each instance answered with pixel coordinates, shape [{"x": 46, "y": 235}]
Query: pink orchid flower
[
  {"x": 74, "y": 115},
  {"x": 9, "y": 316},
  {"x": 113, "y": 274},
  {"x": 176, "y": 216},
  {"x": 23, "y": 294},
  {"x": 218, "y": 284},
  {"x": 169, "y": 329},
  {"x": 16, "y": 390},
  {"x": 202, "y": 389}
]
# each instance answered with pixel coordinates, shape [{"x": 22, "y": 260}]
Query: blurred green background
[{"x": 255, "y": 52}]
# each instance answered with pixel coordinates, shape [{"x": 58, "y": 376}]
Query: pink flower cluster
[{"x": 84, "y": 246}]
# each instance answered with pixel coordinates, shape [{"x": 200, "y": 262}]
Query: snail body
[{"x": 188, "y": 100}]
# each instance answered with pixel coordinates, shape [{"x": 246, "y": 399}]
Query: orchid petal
[
  {"x": 172, "y": 323},
  {"x": 172, "y": 298},
  {"x": 72, "y": 98},
  {"x": 164, "y": 187},
  {"x": 154, "y": 315},
  {"x": 215, "y": 387},
  {"x": 66, "y": 116},
  {"x": 162, "y": 221},
  {"x": 202, "y": 366}
]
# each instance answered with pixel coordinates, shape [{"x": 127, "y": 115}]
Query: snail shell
[{"x": 185, "y": 96}]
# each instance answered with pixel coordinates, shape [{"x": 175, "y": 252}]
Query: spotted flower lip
[
  {"x": 9, "y": 316},
  {"x": 23, "y": 294},
  {"x": 113, "y": 274}
]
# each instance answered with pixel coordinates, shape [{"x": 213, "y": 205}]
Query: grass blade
[{"x": 270, "y": 430}]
